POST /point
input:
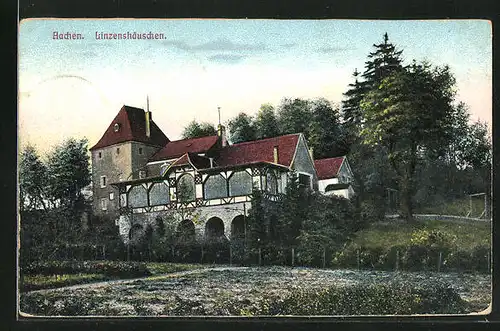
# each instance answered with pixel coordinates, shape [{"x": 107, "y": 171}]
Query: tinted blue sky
[{"x": 79, "y": 85}]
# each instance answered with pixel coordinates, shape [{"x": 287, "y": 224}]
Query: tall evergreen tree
[
  {"x": 382, "y": 62},
  {"x": 352, "y": 115}
]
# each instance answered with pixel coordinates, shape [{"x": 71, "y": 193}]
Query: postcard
[{"x": 242, "y": 167}]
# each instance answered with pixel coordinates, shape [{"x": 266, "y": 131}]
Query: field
[{"x": 247, "y": 291}]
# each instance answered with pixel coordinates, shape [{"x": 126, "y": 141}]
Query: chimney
[
  {"x": 148, "y": 123},
  {"x": 221, "y": 132},
  {"x": 311, "y": 153},
  {"x": 148, "y": 116},
  {"x": 275, "y": 154}
]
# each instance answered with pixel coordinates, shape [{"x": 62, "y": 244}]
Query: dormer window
[
  {"x": 116, "y": 127},
  {"x": 140, "y": 150}
]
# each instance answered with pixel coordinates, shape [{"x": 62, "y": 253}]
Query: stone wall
[{"x": 199, "y": 216}]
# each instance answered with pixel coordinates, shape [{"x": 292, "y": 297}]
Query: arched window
[
  {"x": 185, "y": 231},
  {"x": 272, "y": 182},
  {"x": 238, "y": 227},
  {"x": 214, "y": 228},
  {"x": 185, "y": 188},
  {"x": 138, "y": 197},
  {"x": 159, "y": 194},
  {"x": 240, "y": 183},
  {"x": 215, "y": 187}
]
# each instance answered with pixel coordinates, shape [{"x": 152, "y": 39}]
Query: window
[
  {"x": 142, "y": 174},
  {"x": 103, "y": 181},
  {"x": 138, "y": 197},
  {"x": 186, "y": 188},
  {"x": 111, "y": 195},
  {"x": 104, "y": 204},
  {"x": 123, "y": 200},
  {"x": 215, "y": 187},
  {"x": 305, "y": 180},
  {"x": 118, "y": 150},
  {"x": 140, "y": 150},
  {"x": 272, "y": 183},
  {"x": 100, "y": 154},
  {"x": 116, "y": 127},
  {"x": 240, "y": 183},
  {"x": 159, "y": 194}
]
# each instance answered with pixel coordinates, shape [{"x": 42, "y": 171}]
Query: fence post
[
  {"x": 260, "y": 257},
  {"x": 104, "y": 252},
  {"x": 293, "y": 256},
  {"x": 230, "y": 255},
  {"x": 397, "y": 260},
  {"x": 440, "y": 257},
  {"x": 358, "y": 262},
  {"x": 324, "y": 257}
]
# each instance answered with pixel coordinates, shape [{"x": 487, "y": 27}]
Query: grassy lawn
[
  {"x": 459, "y": 207},
  {"x": 88, "y": 272},
  {"x": 254, "y": 291},
  {"x": 399, "y": 233}
]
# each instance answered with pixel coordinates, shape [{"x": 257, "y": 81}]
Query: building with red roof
[{"x": 139, "y": 175}]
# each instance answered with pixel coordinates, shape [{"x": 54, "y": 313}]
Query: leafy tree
[
  {"x": 326, "y": 135},
  {"x": 33, "y": 176},
  {"x": 294, "y": 116},
  {"x": 410, "y": 112},
  {"x": 266, "y": 122},
  {"x": 196, "y": 130},
  {"x": 241, "y": 129},
  {"x": 69, "y": 172}
]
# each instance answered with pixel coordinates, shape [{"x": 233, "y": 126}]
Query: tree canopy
[{"x": 196, "y": 130}]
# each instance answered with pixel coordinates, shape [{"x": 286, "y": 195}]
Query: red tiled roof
[
  {"x": 259, "y": 151},
  {"x": 177, "y": 148},
  {"x": 328, "y": 168},
  {"x": 132, "y": 124},
  {"x": 199, "y": 162}
]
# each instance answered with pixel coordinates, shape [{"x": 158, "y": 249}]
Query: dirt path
[{"x": 107, "y": 283}]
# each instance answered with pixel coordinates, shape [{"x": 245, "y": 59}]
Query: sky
[{"x": 74, "y": 88}]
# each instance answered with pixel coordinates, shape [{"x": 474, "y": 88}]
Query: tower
[{"x": 121, "y": 155}]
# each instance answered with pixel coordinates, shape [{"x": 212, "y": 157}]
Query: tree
[
  {"x": 381, "y": 63},
  {"x": 196, "y": 130},
  {"x": 352, "y": 115},
  {"x": 32, "y": 180},
  {"x": 266, "y": 123},
  {"x": 410, "y": 112},
  {"x": 294, "y": 116},
  {"x": 69, "y": 172},
  {"x": 241, "y": 129},
  {"x": 326, "y": 135}
]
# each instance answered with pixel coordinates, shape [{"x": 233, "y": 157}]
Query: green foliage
[
  {"x": 38, "y": 282},
  {"x": 462, "y": 247},
  {"x": 241, "y": 129},
  {"x": 294, "y": 116},
  {"x": 196, "y": 130},
  {"x": 266, "y": 122},
  {"x": 326, "y": 135},
  {"x": 33, "y": 177},
  {"x": 69, "y": 172}
]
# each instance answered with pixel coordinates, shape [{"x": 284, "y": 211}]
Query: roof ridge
[
  {"x": 265, "y": 139},
  {"x": 174, "y": 141}
]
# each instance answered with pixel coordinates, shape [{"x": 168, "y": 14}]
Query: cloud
[
  {"x": 333, "y": 49},
  {"x": 217, "y": 45},
  {"x": 226, "y": 58}
]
